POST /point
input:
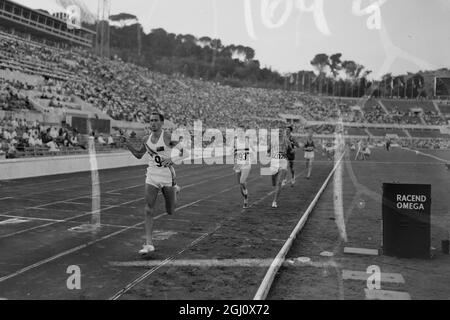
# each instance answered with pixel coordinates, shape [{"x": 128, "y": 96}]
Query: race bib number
[
  {"x": 243, "y": 156},
  {"x": 158, "y": 161},
  {"x": 279, "y": 156}
]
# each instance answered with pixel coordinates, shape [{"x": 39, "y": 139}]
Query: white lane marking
[
  {"x": 327, "y": 254},
  {"x": 361, "y": 251},
  {"x": 386, "y": 295},
  {"x": 53, "y": 222},
  {"x": 128, "y": 188},
  {"x": 163, "y": 235},
  {"x": 428, "y": 155},
  {"x": 213, "y": 263},
  {"x": 79, "y": 203},
  {"x": 73, "y": 250},
  {"x": 83, "y": 246},
  {"x": 29, "y": 218},
  {"x": 156, "y": 268},
  {"x": 150, "y": 272},
  {"x": 76, "y": 186},
  {"x": 21, "y": 186},
  {"x": 7, "y": 198},
  {"x": 13, "y": 221},
  {"x": 267, "y": 282},
  {"x": 363, "y": 276},
  {"x": 88, "y": 195}
]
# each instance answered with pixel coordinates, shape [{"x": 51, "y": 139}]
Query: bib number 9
[{"x": 158, "y": 161}]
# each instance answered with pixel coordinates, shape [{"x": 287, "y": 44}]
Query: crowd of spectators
[
  {"x": 11, "y": 96},
  {"x": 127, "y": 92},
  {"x": 433, "y": 118},
  {"x": 16, "y": 135},
  {"x": 435, "y": 144}
]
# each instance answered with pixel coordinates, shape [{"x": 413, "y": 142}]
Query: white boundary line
[
  {"x": 53, "y": 222},
  {"x": 90, "y": 195},
  {"x": 267, "y": 282},
  {"x": 156, "y": 268},
  {"x": 428, "y": 155},
  {"x": 145, "y": 275},
  {"x": 85, "y": 245},
  {"x": 80, "y": 197}
]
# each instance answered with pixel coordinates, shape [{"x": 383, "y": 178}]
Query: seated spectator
[
  {"x": 12, "y": 152},
  {"x": 101, "y": 141},
  {"x": 74, "y": 141},
  {"x": 54, "y": 134},
  {"x": 31, "y": 141},
  {"x": 38, "y": 142},
  {"x": 53, "y": 146},
  {"x": 111, "y": 142},
  {"x": 46, "y": 136},
  {"x": 6, "y": 135},
  {"x": 15, "y": 124}
]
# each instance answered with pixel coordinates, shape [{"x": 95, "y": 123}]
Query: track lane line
[
  {"x": 98, "y": 211},
  {"x": 79, "y": 197},
  {"x": 90, "y": 243},
  {"x": 267, "y": 282},
  {"x": 144, "y": 276}
]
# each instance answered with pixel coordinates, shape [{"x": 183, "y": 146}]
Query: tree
[
  {"x": 350, "y": 68},
  {"x": 205, "y": 41},
  {"x": 124, "y": 19},
  {"x": 249, "y": 53},
  {"x": 320, "y": 62},
  {"x": 335, "y": 64}
]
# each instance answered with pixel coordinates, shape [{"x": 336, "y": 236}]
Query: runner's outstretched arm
[{"x": 139, "y": 154}]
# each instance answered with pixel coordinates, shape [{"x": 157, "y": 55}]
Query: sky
[{"x": 412, "y": 35}]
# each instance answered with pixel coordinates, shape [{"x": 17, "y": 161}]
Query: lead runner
[{"x": 164, "y": 153}]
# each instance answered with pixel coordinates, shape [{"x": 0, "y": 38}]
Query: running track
[{"x": 37, "y": 246}]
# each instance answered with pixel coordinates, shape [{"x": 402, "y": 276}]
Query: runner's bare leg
[{"x": 151, "y": 194}]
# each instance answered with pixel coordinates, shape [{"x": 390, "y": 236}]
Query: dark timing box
[{"x": 407, "y": 220}]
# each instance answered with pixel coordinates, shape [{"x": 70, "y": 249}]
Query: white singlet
[
  {"x": 157, "y": 175},
  {"x": 242, "y": 156},
  {"x": 279, "y": 161}
]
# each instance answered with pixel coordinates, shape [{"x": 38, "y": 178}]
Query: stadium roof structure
[{"x": 39, "y": 23}]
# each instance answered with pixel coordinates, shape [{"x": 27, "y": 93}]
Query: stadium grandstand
[
  {"x": 50, "y": 77},
  {"x": 39, "y": 24}
]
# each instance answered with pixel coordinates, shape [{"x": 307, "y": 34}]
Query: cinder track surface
[
  {"x": 37, "y": 248},
  {"x": 362, "y": 193}
]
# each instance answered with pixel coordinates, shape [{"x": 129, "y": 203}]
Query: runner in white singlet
[{"x": 160, "y": 173}]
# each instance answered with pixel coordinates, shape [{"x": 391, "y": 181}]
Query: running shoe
[{"x": 147, "y": 249}]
